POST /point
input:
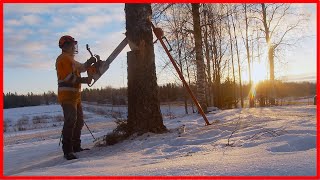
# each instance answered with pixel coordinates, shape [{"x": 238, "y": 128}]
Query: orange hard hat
[{"x": 65, "y": 39}]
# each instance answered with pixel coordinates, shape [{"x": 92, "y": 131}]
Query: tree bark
[
  {"x": 179, "y": 49},
  {"x": 270, "y": 53},
  {"x": 251, "y": 100},
  {"x": 144, "y": 113},
  {"x": 272, "y": 88},
  {"x": 188, "y": 74},
  {"x": 209, "y": 86},
  {"x": 238, "y": 56},
  {"x": 233, "y": 74},
  {"x": 199, "y": 57},
  {"x": 247, "y": 42}
]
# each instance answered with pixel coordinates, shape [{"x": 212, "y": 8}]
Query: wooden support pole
[{"x": 181, "y": 76}]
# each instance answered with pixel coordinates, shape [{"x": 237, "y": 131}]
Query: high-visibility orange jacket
[{"x": 68, "y": 70}]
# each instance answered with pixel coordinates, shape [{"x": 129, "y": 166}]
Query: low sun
[{"x": 259, "y": 72}]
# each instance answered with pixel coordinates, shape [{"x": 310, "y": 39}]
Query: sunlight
[{"x": 259, "y": 72}]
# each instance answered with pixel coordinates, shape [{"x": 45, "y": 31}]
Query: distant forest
[
  {"x": 167, "y": 93},
  {"x": 13, "y": 100}
]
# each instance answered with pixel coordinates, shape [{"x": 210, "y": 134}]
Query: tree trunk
[
  {"x": 185, "y": 96},
  {"x": 219, "y": 93},
  {"x": 144, "y": 113},
  {"x": 270, "y": 54},
  {"x": 247, "y": 42},
  {"x": 272, "y": 89},
  {"x": 214, "y": 56},
  {"x": 188, "y": 74},
  {"x": 233, "y": 74},
  {"x": 251, "y": 100},
  {"x": 199, "y": 57},
  {"x": 253, "y": 94},
  {"x": 208, "y": 60},
  {"x": 238, "y": 56}
]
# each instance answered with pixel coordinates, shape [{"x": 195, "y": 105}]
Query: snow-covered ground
[{"x": 271, "y": 141}]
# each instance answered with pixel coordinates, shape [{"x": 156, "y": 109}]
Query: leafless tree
[
  {"x": 232, "y": 58},
  {"x": 238, "y": 57},
  {"x": 201, "y": 76},
  {"x": 278, "y": 22}
]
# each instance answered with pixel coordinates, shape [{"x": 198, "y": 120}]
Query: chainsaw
[{"x": 96, "y": 70}]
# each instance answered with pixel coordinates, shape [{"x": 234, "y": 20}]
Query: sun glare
[{"x": 259, "y": 72}]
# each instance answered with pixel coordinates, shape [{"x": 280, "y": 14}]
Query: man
[{"x": 69, "y": 94}]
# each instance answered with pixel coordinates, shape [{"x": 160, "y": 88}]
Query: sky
[{"x": 32, "y": 31}]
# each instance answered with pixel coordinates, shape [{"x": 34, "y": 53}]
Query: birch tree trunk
[
  {"x": 233, "y": 74},
  {"x": 270, "y": 52},
  {"x": 238, "y": 56},
  {"x": 199, "y": 57}
]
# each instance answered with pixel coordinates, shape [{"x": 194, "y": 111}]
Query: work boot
[
  {"x": 70, "y": 156},
  {"x": 80, "y": 149}
]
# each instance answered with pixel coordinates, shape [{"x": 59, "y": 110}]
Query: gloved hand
[
  {"x": 84, "y": 80},
  {"x": 89, "y": 62},
  {"x": 97, "y": 57}
]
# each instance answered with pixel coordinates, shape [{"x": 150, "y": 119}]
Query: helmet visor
[{"x": 75, "y": 47}]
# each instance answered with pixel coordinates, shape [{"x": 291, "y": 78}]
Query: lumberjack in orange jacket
[
  {"x": 68, "y": 72},
  {"x": 69, "y": 95}
]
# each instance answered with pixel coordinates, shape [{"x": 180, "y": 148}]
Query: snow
[
  {"x": 270, "y": 141},
  {"x": 16, "y": 113}
]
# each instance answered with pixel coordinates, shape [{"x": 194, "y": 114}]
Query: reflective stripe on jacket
[{"x": 68, "y": 70}]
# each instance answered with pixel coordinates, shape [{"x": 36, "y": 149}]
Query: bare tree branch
[{"x": 278, "y": 22}]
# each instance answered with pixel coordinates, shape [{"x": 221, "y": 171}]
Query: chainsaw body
[{"x": 96, "y": 70}]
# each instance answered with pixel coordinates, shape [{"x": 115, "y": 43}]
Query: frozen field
[{"x": 271, "y": 141}]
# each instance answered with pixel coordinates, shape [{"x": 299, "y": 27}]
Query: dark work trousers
[{"x": 73, "y": 123}]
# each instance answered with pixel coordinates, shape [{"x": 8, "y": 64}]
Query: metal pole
[
  {"x": 181, "y": 76},
  {"x": 89, "y": 130}
]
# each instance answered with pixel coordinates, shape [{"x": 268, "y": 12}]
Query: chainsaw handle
[
  {"x": 87, "y": 46},
  {"x": 90, "y": 83},
  {"x": 90, "y": 72},
  {"x": 97, "y": 57}
]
